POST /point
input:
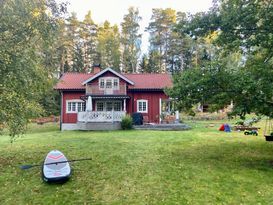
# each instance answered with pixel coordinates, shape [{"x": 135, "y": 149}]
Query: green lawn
[{"x": 199, "y": 166}]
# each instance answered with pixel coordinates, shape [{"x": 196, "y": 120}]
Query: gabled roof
[
  {"x": 150, "y": 80},
  {"x": 104, "y": 71},
  {"x": 72, "y": 81},
  {"x": 145, "y": 81}
]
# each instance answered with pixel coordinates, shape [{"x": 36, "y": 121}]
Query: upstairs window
[
  {"x": 116, "y": 83},
  {"x": 109, "y": 83},
  {"x": 102, "y": 83},
  {"x": 142, "y": 106}
]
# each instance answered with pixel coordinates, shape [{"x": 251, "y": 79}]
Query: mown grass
[{"x": 199, "y": 166}]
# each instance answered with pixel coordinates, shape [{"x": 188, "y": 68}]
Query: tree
[
  {"x": 88, "y": 35},
  {"x": 243, "y": 27},
  {"x": 27, "y": 29},
  {"x": 153, "y": 62},
  {"x": 109, "y": 46},
  {"x": 143, "y": 65},
  {"x": 160, "y": 29},
  {"x": 130, "y": 40}
]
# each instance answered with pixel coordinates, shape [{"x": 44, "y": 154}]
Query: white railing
[{"x": 100, "y": 116}]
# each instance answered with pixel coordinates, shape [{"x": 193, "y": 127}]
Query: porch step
[{"x": 99, "y": 126}]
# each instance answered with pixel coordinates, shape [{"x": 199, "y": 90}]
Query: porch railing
[
  {"x": 100, "y": 116},
  {"x": 96, "y": 90}
]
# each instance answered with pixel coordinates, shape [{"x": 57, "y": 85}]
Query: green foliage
[
  {"x": 130, "y": 40},
  {"x": 143, "y": 65},
  {"x": 27, "y": 32},
  {"x": 235, "y": 29},
  {"x": 127, "y": 122},
  {"x": 160, "y": 29},
  {"x": 108, "y": 46}
]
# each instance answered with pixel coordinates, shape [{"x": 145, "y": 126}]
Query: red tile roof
[
  {"x": 149, "y": 81},
  {"x": 73, "y": 81}
]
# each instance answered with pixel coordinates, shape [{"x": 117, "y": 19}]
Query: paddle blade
[{"x": 27, "y": 166}]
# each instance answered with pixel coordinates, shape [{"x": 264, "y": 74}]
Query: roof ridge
[
  {"x": 145, "y": 74},
  {"x": 78, "y": 73}
]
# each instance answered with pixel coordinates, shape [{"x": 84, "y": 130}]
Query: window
[
  {"x": 100, "y": 106},
  {"x": 142, "y": 106},
  {"x": 108, "y": 106},
  {"x": 117, "y": 106},
  {"x": 81, "y": 106},
  {"x": 109, "y": 83},
  {"x": 116, "y": 82},
  {"x": 74, "y": 106},
  {"x": 102, "y": 83}
]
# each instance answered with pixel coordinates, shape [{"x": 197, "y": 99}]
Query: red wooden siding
[
  {"x": 153, "y": 103},
  {"x": 70, "y": 117}
]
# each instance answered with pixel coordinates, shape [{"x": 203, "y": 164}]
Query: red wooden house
[{"x": 111, "y": 95}]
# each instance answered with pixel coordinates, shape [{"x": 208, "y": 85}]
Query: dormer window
[
  {"x": 109, "y": 83},
  {"x": 116, "y": 83},
  {"x": 102, "y": 83}
]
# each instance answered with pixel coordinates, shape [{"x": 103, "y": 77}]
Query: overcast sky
[{"x": 114, "y": 10}]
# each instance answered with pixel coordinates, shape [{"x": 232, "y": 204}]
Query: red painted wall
[
  {"x": 153, "y": 103},
  {"x": 131, "y": 104},
  {"x": 70, "y": 117}
]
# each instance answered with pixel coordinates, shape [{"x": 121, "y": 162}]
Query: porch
[{"x": 101, "y": 116}]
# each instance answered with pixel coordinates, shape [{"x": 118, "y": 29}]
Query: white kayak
[{"x": 55, "y": 167}]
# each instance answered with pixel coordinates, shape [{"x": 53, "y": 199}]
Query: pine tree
[
  {"x": 109, "y": 46},
  {"x": 88, "y": 35},
  {"x": 130, "y": 40},
  {"x": 160, "y": 29}
]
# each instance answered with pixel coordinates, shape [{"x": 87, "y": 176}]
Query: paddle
[{"x": 28, "y": 166}]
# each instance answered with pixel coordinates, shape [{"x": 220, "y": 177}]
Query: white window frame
[
  {"x": 105, "y": 105},
  {"x": 76, "y": 106},
  {"x": 142, "y": 101},
  {"x": 101, "y": 83},
  {"x": 105, "y": 79}
]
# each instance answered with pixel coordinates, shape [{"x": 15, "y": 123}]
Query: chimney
[{"x": 96, "y": 68}]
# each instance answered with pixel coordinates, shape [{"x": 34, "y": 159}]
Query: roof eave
[{"x": 104, "y": 71}]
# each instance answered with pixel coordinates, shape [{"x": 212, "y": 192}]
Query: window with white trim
[
  {"x": 74, "y": 106},
  {"x": 101, "y": 81},
  {"x": 117, "y": 106},
  {"x": 109, "y": 83},
  {"x": 108, "y": 106},
  {"x": 142, "y": 106},
  {"x": 99, "y": 106},
  {"x": 115, "y": 83}
]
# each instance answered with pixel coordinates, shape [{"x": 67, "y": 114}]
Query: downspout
[
  {"x": 133, "y": 102},
  {"x": 61, "y": 117}
]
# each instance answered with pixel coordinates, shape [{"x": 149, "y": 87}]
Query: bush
[{"x": 127, "y": 123}]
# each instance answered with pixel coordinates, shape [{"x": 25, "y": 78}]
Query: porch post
[
  {"x": 160, "y": 104},
  {"x": 176, "y": 116},
  {"x": 124, "y": 105}
]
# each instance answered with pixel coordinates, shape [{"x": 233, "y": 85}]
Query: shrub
[{"x": 127, "y": 122}]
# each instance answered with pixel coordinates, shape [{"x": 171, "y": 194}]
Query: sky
[{"x": 114, "y": 10}]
